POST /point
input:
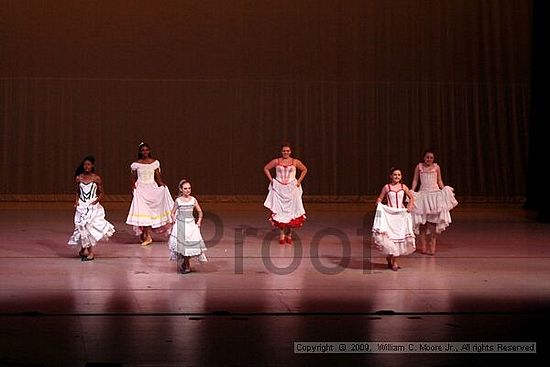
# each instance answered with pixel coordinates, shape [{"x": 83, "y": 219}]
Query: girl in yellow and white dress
[{"x": 151, "y": 202}]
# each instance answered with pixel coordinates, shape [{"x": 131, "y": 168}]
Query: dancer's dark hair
[
  {"x": 141, "y": 145},
  {"x": 80, "y": 169}
]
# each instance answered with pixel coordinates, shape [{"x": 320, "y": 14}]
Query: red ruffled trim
[{"x": 294, "y": 223}]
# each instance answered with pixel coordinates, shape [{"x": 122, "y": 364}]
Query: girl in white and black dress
[{"x": 89, "y": 218}]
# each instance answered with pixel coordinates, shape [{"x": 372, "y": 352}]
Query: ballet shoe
[
  {"x": 88, "y": 258},
  {"x": 282, "y": 241},
  {"x": 395, "y": 267},
  {"x": 288, "y": 240}
]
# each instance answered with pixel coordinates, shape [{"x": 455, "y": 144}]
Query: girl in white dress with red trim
[
  {"x": 392, "y": 231},
  {"x": 90, "y": 225},
  {"x": 185, "y": 239},
  {"x": 434, "y": 201},
  {"x": 151, "y": 202},
  {"x": 284, "y": 198}
]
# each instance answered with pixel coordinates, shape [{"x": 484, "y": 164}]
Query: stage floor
[{"x": 488, "y": 282}]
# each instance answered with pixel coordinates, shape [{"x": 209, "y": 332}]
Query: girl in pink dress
[
  {"x": 284, "y": 198},
  {"x": 151, "y": 202},
  {"x": 434, "y": 200},
  {"x": 392, "y": 231}
]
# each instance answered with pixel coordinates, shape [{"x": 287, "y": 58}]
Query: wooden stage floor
[{"x": 488, "y": 282}]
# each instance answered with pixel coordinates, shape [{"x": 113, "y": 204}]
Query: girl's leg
[
  {"x": 422, "y": 235},
  {"x": 83, "y": 252},
  {"x": 282, "y": 236},
  {"x": 433, "y": 240},
  {"x": 179, "y": 263},
  {"x": 389, "y": 260},
  {"x": 394, "y": 265},
  {"x": 147, "y": 239},
  {"x": 186, "y": 265},
  {"x": 288, "y": 236},
  {"x": 89, "y": 254}
]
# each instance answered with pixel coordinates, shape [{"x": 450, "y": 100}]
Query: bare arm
[
  {"x": 267, "y": 169},
  {"x": 439, "y": 179},
  {"x": 158, "y": 178},
  {"x": 133, "y": 180},
  {"x": 415, "y": 178},
  {"x": 383, "y": 193},
  {"x": 99, "y": 182},
  {"x": 410, "y": 206},
  {"x": 77, "y": 181},
  {"x": 199, "y": 211},
  {"x": 174, "y": 210},
  {"x": 303, "y": 171}
]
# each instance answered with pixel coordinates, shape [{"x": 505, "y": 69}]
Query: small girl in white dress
[
  {"x": 186, "y": 239},
  {"x": 392, "y": 231}
]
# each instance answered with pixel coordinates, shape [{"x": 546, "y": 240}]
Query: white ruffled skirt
[
  {"x": 392, "y": 231},
  {"x": 433, "y": 207},
  {"x": 186, "y": 240},
  {"x": 90, "y": 225},
  {"x": 285, "y": 203},
  {"x": 151, "y": 207}
]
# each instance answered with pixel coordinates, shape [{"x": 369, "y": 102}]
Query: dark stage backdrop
[{"x": 356, "y": 86}]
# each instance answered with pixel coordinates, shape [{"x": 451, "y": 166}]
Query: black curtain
[
  {"x": 539, "y": 130},
  {"x": 214, "y": 86}
]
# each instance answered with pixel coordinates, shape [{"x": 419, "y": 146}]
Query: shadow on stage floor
[{"x": 255, "y": 303}]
